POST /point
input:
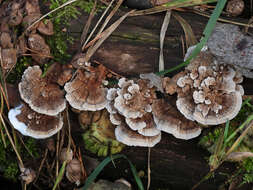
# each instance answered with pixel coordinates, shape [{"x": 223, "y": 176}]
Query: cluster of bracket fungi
[{"x": 207, "y": 92}]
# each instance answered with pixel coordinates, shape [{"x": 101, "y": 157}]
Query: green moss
[
  {"x": 12, "y": 171},
  {"x": 61, "y": 20},
  {"x": 18, "y": 70}
]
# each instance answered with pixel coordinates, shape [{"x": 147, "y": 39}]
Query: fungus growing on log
[
  {"x": 42, "y": 95},
  {"x": 170, "y": 120},
  {"x": 208, "y": 92},
  {"x": 130, "y": 110},
  {"x": 33, "y": 124},
  {"x": 131, "y": 138},
  {"x": 86, "y": 91}
]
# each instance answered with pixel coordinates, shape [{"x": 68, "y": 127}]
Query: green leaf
[{"x": 106, "y": 161}]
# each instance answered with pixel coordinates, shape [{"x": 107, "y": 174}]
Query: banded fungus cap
[
  {"x": 42, "y": 96},
  {"x": 133, "y": 138},
  {"x": 134, "y": 99},
  {"x": 85, "y": 91},
  {"x": 33, "y": 124},
  {"x": 169, "y": 120},
  {"x": 209, "y": 92}
]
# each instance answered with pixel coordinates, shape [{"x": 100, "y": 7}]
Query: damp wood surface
[{"x": 133, "y": 48}]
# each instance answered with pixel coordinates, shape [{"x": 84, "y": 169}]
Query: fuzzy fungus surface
[
  {"x": 209, "y": 92},
  {"x": 42, "y": 95}
]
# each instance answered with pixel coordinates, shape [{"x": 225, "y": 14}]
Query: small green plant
[
  {"x": 221, "y": 142},
  {"x": 17, "y": 72},
  {"x": 61, "y": 20}
]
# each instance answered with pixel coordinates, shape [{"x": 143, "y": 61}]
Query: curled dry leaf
[
  {"x": 40, "y": 50},
  {"x": 74, "y": 171},
  {"x": 27, "y": 175}
]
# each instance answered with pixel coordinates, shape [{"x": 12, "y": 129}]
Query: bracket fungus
[
  {"x": 42, "y": 96},
  {"x": 131, "y": 138},
  {"x": 33, "y": 124},
  {"x": 86, "y": 91},
  {"x": 130, "y": 110},
  {"x": 168, "y": 119},
  {"x": 209, "y": 92}
]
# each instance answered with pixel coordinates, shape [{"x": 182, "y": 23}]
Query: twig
[
  {"x": 41, "y": 165},
  {"x": 88, "y": 23},
  {"x": 224, "y": 20},
  {"x": 149, "y": 170},
  {"x": 12, "y": 143}
]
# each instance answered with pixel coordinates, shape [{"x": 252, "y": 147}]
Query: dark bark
[{"x": 133, "y": 49}]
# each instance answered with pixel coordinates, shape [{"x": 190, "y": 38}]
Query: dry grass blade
[
  {"x": 88, "y": 23},
  {"x": 100, "y": 19},
  {"x": 166, "y": 22},
  {"x": 171, "y": 5},
  {"x": 239, "y": 139},
  {"x": 104, "y": 36},
  {"x": 12, "y": 143},
  {"x": 108, "y": 18},
  {"x": 189, "y": 35},
  {"x": 249, "y": 25}
]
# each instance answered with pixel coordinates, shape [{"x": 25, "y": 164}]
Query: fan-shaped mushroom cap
[
  {"x": 134, "y": 99},
  {"x": 150, "y": 128},
  {"x": 168, "y": 119},
  {"x": 213, "y": 96},
  {"x": 85, "y": 91},
  {"x": 41, "y": 95},
  {"x": 33, "y": 124},
  {"x": 132, "y": 138}
]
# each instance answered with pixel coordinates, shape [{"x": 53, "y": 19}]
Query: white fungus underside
[
  {"x": 123, "y": 137},
  {"x": 24, "y": 130}
]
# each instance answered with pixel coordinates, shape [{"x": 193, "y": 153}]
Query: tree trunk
[{"x": 133, "y": 49}]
